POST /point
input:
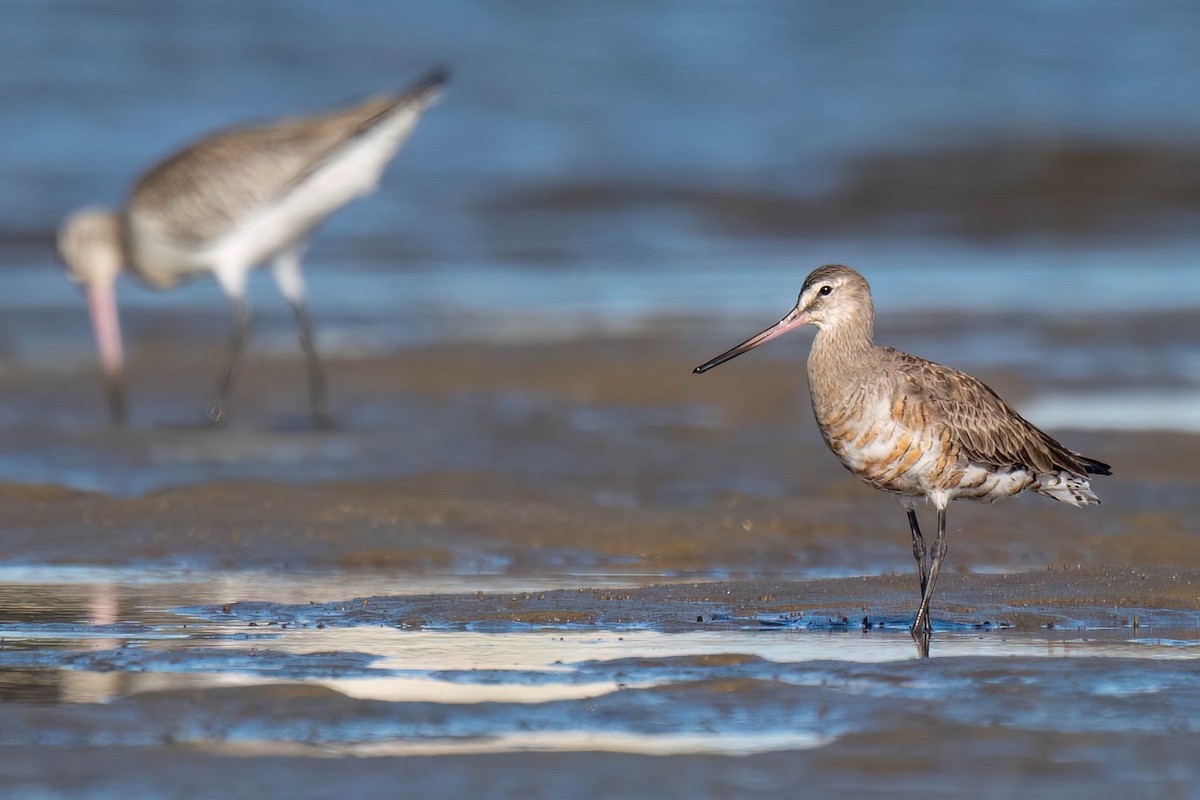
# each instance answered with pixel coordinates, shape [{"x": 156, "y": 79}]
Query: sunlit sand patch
[
  {"x": 432, "y": 690},
  {"x": 664, "y": 744},
  {"x": 208, "y": 586},
  {"x": 608, "y": 741}
]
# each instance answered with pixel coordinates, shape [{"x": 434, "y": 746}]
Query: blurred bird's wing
[{"x": 222, "y": 182}]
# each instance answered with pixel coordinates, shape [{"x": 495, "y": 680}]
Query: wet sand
[
  {"x": 597, "y": 454},
  {"x": 515, "y": 568}
]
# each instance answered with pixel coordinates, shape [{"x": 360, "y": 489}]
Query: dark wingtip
[
  {"x": 1095, "y": 467},
  {"x": 432, "y": 81},
  {"x": 698, "y": 371}
]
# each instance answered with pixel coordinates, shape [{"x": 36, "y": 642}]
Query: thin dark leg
[
  {"x": 241, "y": 327},
  {"x": 919, "y": 552},
  {"x": 318, "y": 397},
  {"x": 922, "y": 626}
]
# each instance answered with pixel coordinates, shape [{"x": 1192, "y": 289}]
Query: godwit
[
  {"x": 915, "y": 428},
  {"x": 233, "y": 201}
]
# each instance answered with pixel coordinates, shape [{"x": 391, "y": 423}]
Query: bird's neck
[
  {"x": 845, "y": 341},
  {"x": 840, "y": 361}
]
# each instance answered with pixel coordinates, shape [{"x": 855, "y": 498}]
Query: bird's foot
[
  {"x": 216, "y": 414},
  {"x": 922, "y": 632},
  {"x": 922, "y": 643}
]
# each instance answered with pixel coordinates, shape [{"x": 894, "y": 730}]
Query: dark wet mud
[{"x": 592, "y": 456}]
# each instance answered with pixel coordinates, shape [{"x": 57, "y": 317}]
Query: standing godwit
[
  {"x": 915, "y": 428},
  {"x": 230, "y": 202}
]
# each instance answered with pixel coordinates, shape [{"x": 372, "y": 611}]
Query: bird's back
[{"x": 299, "y": 169}]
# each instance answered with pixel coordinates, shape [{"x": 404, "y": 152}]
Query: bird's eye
[{"x": 825, "y": 290}]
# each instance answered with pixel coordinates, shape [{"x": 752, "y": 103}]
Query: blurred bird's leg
[
  {"x": 233, "y": 282},
  {"x": 922, "y": 625},
  {"x": 318, "y": 396},
  {"x": 286, "y": 269},
  {"x": 241, "y": 327}
]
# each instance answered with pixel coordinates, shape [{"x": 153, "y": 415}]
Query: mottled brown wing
[
  {"x": 207, "y": 189},
  {"x": 980, "y": 423}
]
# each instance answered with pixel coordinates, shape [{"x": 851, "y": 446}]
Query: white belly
[{"x": 914, "y": 461}]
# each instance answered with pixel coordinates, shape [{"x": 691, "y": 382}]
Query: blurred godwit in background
[
  {"x": 913, "y": 427},
  {"x": 233, "y": 201}
]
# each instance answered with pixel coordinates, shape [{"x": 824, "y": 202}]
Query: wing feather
[{"x": 985, "y": 428}]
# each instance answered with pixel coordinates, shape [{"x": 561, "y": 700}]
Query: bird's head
[
  {"x": 834, "y": 295},
  {"x": 831, "y": 296},
  {"x": 89, "y": 243}
]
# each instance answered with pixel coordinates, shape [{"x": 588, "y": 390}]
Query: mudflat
[{"x": 517, "y": 563}]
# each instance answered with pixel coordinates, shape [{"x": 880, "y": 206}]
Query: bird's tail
[
  {"x": 1095, "y": 467},
  {"x": 1067, "y": 487}
]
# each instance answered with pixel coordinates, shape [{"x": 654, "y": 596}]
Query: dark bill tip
[{"x": 721, "y": 359}]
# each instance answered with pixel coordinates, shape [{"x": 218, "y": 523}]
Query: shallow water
[{"x": 75, "y": 655}]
